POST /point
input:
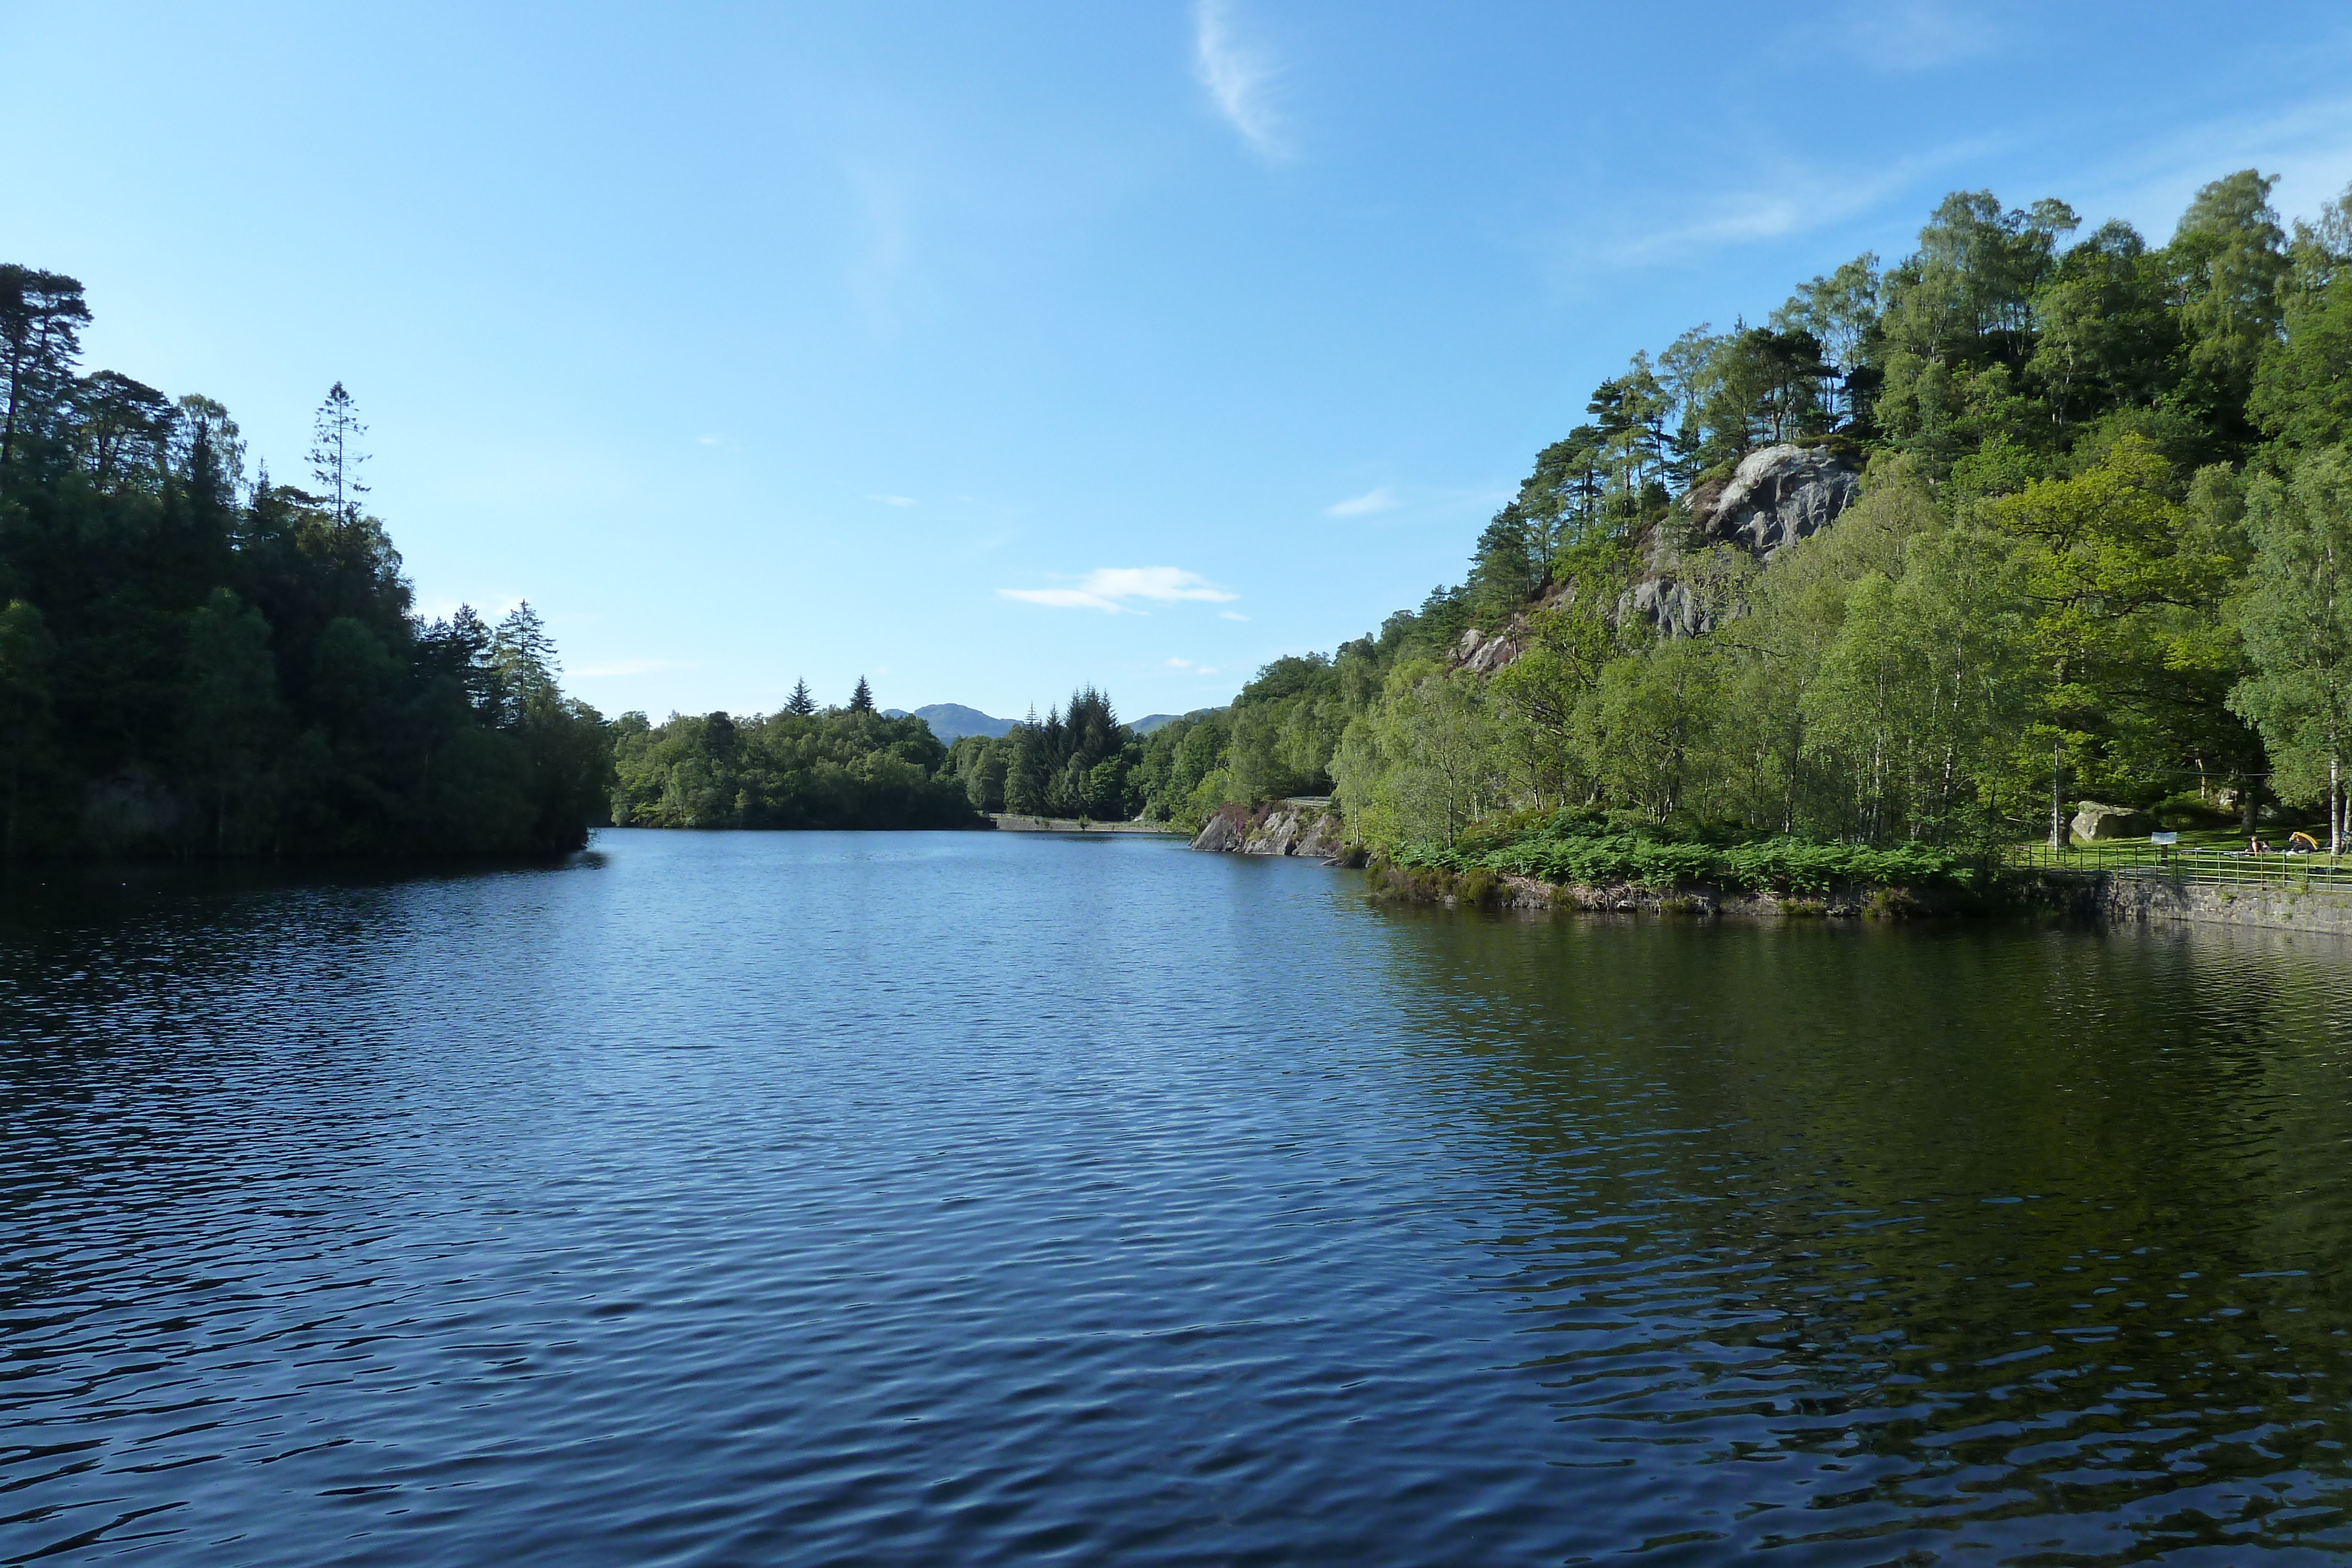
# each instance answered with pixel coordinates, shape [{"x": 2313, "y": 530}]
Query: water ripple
[{"x": 914, "y": 1198}]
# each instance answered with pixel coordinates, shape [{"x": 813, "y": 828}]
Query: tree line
[
  {"x": 2101, "y": 549},
  {"x": 194, "y": 663},
  {"x": 802, "y": 767}
]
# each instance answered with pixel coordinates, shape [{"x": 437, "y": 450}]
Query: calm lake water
[{"x": 745, "y": 1198}]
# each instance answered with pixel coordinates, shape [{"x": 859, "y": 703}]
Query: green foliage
[
  {"x": 2077, "y": 568},
  {"x": 191, "y": 663},
  {"x": 1079, "y": 763},
  {"x": 2296, "y": 619},
  {"x": 1576, "y": 848},
  {"x": 842, "y": 768}
]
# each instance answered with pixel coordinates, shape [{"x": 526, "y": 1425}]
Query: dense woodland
[
  {"x": 2103, "y": 550},
  {"x": 800, "y": 767},
  {"x": 196, "y": 664}
]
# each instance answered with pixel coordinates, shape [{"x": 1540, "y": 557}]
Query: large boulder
[
  {"x": 1778, "y": 495},
  {"x": 2096, "y": 822}
]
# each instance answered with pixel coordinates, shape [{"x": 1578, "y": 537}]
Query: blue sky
[{"x": 986, "y": 349}]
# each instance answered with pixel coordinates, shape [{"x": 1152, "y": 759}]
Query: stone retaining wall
[{"x": 2153, "y": 898}]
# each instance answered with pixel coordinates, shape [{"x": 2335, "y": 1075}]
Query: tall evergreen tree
[
  {"x": 862, "y": 699},
  {"x": 800, "y": 704},
  {"x": 41, "y": 318},
  {"x": 335, "y": 457}
]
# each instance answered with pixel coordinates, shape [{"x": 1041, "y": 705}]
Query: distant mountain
[
  {"x": 953, "y": 721},
  {"x": 1150, "y": 722}
]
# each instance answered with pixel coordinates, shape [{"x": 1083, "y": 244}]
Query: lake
[{"x": 919, "y": 1198}]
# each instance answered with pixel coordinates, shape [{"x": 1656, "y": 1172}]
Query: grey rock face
[
  {"x": 1779, "y": 495},
  {"x": 1217, "y": 834},
  {"x": 1483, "y": 655},
  {"x": 1668, "y": 605},
  {"x": 1288, "y": 829},
  {"x": 1776, "y": 497},
  {"x": 2095, "y": 822}
]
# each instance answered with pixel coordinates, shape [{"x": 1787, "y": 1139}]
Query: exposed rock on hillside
[
  {"x": 1486, "y": 654},
  {"x": 1776, "y": 497},
  {"x": 1302, "y": 827}
]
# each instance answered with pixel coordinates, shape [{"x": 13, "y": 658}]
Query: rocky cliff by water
[{"x": 1300, "y": 827}]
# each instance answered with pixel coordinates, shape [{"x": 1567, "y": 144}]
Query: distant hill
[
  {"x": 1150, "y": 722},
  {"x": 953, "y": 721}
]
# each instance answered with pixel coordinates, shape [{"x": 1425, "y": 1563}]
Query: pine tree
[
  {"x": 335, "y": 457},
  {"x": 862, "y": 699},
  {"x": 41, "y": 318},
  {"x": 800, "y": 704},
  {"x": 524, "y": 657}
]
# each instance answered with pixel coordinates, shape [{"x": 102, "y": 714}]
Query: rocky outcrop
[
  {"x": 1482, "y": 654},
  {"x": 1668, "y": 604},
  {"x": 1303, "y": 827},
  {"x": 2096, "y": 822},
  {"x": 1778, "y": 495}
]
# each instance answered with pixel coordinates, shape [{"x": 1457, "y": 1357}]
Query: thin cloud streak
[
  {"x": 1802, "y": 200},
  {"x": 1110, "y": 588},
  {"x": 1379, "y": 498},
  {"x": 1236, "y": 77},
  {"x": 1919, "y": 35}
]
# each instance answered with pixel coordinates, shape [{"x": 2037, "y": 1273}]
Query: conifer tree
[
  {"x": 862, "y": 699},
  {"x": 41, "y": 318},
  {"x": 335, "y": 457},
  {"x": 800, "y": 704}
]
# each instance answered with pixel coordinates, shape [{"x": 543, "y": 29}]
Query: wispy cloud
[
  {"x": 1379, "y": 498},
  {"x": 1115, "y": 588},
  {"x": 1236, "y": 77},
  {"x": 1230, "y": 615},
  {"x": 893, "y": 500},
  {"x": 630, "y": 668},
  {"x": 1915, "y": 34},
  {"x": 2307, "y": 143},
  {"x": 1791, "y": 201},
  {"x": 1189, "y": 665}
]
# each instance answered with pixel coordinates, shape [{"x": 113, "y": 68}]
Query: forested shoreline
[
  {"x": 1943, "y": 547},
  {"x": 194, "y": 663},
  {"x": 804, "y": 767},
  {"x": 2057, "y": 518}
]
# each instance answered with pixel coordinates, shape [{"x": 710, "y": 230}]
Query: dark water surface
[{"x": 750, "y": 1198}]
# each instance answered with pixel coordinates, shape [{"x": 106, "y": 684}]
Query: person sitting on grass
[
  {"x": 2255, "y": 846},
  {"x": 2302, "y": 844}
]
